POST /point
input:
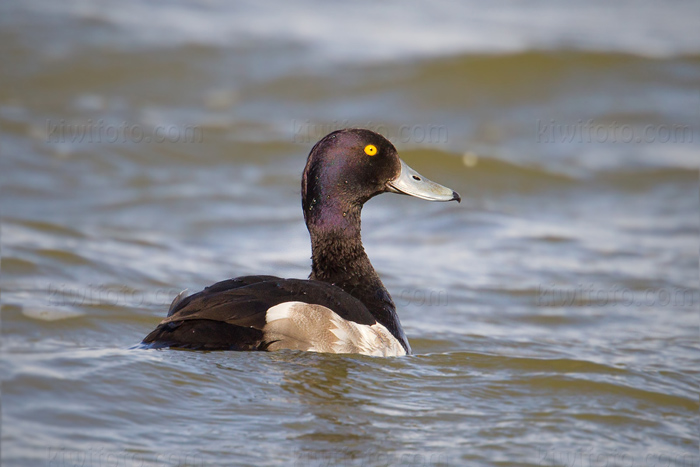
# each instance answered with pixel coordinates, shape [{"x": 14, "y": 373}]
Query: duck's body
[
  {"x": 270, "y": 313},
  {"x": 343, "y": 307}
]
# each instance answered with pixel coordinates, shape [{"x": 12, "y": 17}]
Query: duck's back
[{"x": 270, "y": 313}]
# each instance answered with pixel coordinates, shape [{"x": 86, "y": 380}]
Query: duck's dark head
[{"x": 348, "y": 167}]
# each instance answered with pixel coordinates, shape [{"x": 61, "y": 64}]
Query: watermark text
[
  {"x": 615, "y": 458},
  {"x": 306, "y": 132},
  {"x": 101, "y": 294},
  {"x": 555, "y": 295},
  {"x": 101, "y": 457},
  {"x": 100, "y": 132},
  {"x": 348, "y": 458},
  {"x": 590, "y": 131}
]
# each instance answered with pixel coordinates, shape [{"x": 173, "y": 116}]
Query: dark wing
[{"x": 231, "y": 315}]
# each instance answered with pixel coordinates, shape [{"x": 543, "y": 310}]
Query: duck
[{"x": 343, "y": 307}]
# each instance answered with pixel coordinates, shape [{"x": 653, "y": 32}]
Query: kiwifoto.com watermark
[
  {"x": 421, "y": 297},
  {"x": 350, "y": 458},
  {"x": 555, "y": 295},
  {"x": 99, "y": 457},
  {"x": 100, "y": 132},
  {"x": 616, "y": 458},
  {"x": 97, "y": 294},
  {"x": 590, "y": 131},
  {"x": 64, "y": 295},
  {"x": 307, "y": 132}
]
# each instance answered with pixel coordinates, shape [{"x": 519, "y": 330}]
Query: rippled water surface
[{"x": 148, "y": 147}]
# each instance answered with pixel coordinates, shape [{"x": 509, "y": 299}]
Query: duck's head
[{"x": 348, "y": 167}]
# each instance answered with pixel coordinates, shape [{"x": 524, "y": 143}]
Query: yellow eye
[{"x": 370, "y": 149}]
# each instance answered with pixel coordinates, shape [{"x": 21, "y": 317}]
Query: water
[{"x": 148, "y": 147}]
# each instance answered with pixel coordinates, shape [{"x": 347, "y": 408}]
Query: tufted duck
[{"x": 343, "y": 307}]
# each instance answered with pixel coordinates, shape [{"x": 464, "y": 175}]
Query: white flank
[
  {"x": 302, "y": 326},
  {"x": 364, "y": 339},
  {"x": 281, "y": 311}
]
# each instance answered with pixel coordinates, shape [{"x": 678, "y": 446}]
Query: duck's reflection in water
[{"x": 338, "y": 416}]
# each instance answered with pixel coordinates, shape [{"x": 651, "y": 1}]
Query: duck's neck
[{"x": 339, "y": 258}]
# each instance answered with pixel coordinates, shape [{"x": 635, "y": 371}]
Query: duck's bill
[{"x": 409, "y": 182}]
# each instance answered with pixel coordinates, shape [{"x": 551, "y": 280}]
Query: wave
[{"x": 343, "y": 33}]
